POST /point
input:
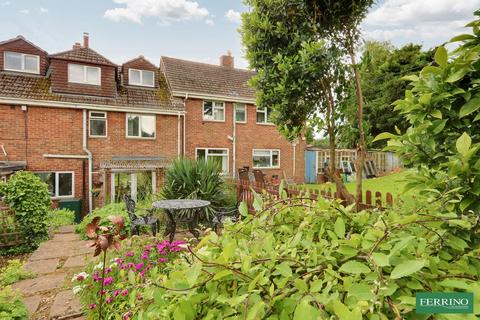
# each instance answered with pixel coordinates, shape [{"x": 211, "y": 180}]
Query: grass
[{"x": 393, "y": 183}]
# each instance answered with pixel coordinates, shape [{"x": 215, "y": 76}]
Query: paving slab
[
  {"x": 32, "y": 303},
  {"x": 65, "y": 229},
  {"x": 42, "y": 266},
  {"x": 42, "y": 283},
  {"x": 65, "y": 303},
  {"x": 53, "y": 250},
  {"x": 65, "y": 237},
  {"x": 76, "y": 261}
]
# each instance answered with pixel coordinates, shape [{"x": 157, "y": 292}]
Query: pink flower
[
  {"x": 80, "y": 277},
  {"x": 118, "y": 261},
  {"x": 109, "y": 300},
  {"x": 108, "y": 270},
  {"x": 124, "y": 292},
  {"x": 130, "y": 265},
  {"x": 108, "y": 281},
  {"x": 116, "y": 292},
  {"x": 145, "y": 255},
  {"x": 130, "y": 254},
  {"x": 148, "y": 247},
  {"x": 139, "y": 266},
  {"x": 127, "y": 315},
  {"x": 162, "y": 260},
  {"x": 102, "y": 292},
  {"x": 92, "y": 306}
]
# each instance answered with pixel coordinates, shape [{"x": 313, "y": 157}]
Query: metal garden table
[{"x": 172, "y": 207}]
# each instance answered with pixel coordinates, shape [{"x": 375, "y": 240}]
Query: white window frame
[
  {"x": 140, "y": 126},
  {"x": 141, "y": 83},
  {"x": 90, "y": 118},
  {"x": 57, "y": 174},
  {"x": 215, "y": 155},
  {"x": 244, "y": 105},
  {"x": 23, "y": 55},
  {"x": 85, "y": 68},
  {"x": 213, "y": 110},
  {"x": 265, "y": 111},
  {"x": 271, "y": 158}
]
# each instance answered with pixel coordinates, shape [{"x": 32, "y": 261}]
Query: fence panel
[{"x": 10, "y": 233}]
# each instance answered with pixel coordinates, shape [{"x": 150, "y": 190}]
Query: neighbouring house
[{"x": 95, "y": 130}]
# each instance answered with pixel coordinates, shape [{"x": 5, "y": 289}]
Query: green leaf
[
  {"x": 463, "y": 143},
  {"x": 463, "y": 37},
  {"x": 284, "y": 269},
  {"x": 243, "y": 209},
  {"x": 441, "y": 56},
  {"x": 301, "y": 285},
  {"x": 383, "y": 136},
  {"x": 471, "y": 106},
  {"x": 380, "y": 259},
  {"x": 341, "y": 311},
  {"x": 361, "y": 291},
  {"x": 339, "y": 228},
  {"x": 457, "y": 74},
  {"x": 412, "y": 77},
  {"x": 407, "y": 268},
  {"x": 304, "y": 311},
  {"x": 221, "y": 274},
  {"x": 354, "y": 267},
  {"x": 437, "y": 114}
]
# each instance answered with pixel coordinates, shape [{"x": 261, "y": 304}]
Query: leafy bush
[
  {"x": 127, "y": 277},
  {"x": 113, "y": 209},
  {"x": 190, "y": 179},
  {"x": 29, "y": 198},
  {"x": 11, "y": 305},
  {"x": 297, "y": 260},
  {"x": 60, "y": 217},
  {"x": 13, "y": 272}
]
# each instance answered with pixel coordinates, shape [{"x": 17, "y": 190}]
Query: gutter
[
  {"x": 198, "y": 95},
  {"x": 90, "y": 165}
]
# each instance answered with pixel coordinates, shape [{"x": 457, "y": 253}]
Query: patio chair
[
  {"x": 259, "y": 177},
  {"x": 288, "y": 181},
  {"x": 243, "y": 174},
  {"x": 143, "y": 220}
]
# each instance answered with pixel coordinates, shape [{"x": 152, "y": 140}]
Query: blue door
[{"x": 310, "y": 166}]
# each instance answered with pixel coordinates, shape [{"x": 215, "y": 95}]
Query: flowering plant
[{"x": 126, "y": 277}]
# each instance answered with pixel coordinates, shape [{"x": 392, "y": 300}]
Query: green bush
[
  {"x": 113, "y": 209},
  {"x": 297, "y": 260},
  {"x": 28, "y": 196},
  {"x": 11, "y": 305},
  {"x": 60, "y": 217},
  {"x": 13, "y": 272}
]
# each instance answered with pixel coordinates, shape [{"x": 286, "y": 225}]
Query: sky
[{"x": 203, "y": 30}]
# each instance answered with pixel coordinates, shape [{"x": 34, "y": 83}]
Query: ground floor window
[
  {"x": 139, "y": 185},
  {"x": 60, "y": 184},
  {"x": 219, "y": 156},
  {"x": 266, "y": 158}
]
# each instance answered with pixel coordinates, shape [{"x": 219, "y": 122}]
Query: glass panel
[
  {"x": 31, "y": 64},
  {"x": 275, "y": 158},
  {"x": 93, "y": 75},
  {"x": 269, "y": 117},
  {"x": 144, "y": 185},
  {"x": 217, "y": 151},
  {"x": 134, "y": 77},
  {"x": 122, "y": 185},
  {"x": 240, "y": 113},
  {"x": 207, "y": 110},
  {"x": 65, "y": 184},
  {"x": 133, "y": 125},
  {"x": 98, "y": 127},
  {"x": 75, "y": 73},
  {"x": 147, "y": 78},
  {"x": 49, "y": 179},
  {"x": 261, "y": 159},
  {"x": 220, "y": 161},
  {"x": 261, "y": 116},
  {"x": 98, "y": 114},
  {"x": 219, "y": 113},
  {"x": 13, "y": 61},
  {"x": 148, "y": 126},
  {"x": 200, "y": 153}
]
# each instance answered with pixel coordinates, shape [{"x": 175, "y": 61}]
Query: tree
[{"x": 299, "y": 49}]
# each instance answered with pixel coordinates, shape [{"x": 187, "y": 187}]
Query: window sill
[
  {"x": 217, "y": 121},
  {"x": 141, "y": 138},
  {"x": 22, "y": 71},
  {"x": 263, "y": 168},
  {"x": 265, "y": 124},
  {"x": 97, "y": 137},
  {"x": 62, "y": 197}
]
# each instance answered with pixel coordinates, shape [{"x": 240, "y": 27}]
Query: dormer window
[
  {"x": 21, "y": 62},
  {"x": 84, "y": 74},
  {"x": 143, "y": 78}
]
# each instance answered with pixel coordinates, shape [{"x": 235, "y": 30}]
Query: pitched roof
[
  {"x": 19, "y": 37},
  {"x": 141, "y": 58},
  {"x": 38, "y": 88},
  {"x": 202, "y": 78},
  {"x": 83, "y": 54}
]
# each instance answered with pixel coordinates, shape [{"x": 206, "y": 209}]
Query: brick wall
[
  {"x": 59, "y": 80},
  {"x": 250, "y": 135},
  {"x": 139, "y": 64},
  {"x": 23, "y": 46}
]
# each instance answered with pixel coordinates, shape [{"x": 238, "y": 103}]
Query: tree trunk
[
  {"x": 361, "y": 147},
  {"x": 330, "y": 120}
]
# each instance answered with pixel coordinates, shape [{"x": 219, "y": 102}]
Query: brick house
[{"x": 95, "y": 130}]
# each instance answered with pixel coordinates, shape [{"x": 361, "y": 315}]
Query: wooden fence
[
  {"x": 245, "y": 193},
  {"x": 10, "y": 233}
]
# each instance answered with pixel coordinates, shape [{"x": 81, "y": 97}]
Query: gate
[{"x": 310, "y": 166}]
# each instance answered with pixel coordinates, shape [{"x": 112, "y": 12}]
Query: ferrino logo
[{"x": 444, "y": 302}]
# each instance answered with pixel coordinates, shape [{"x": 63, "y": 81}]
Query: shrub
[
  {"x": 11, "y": 305},
  {"x": 306, "y": 260},
  {"x": 113, "y": 209},
  {"x": 29, "y": 198},
  {"x": 13, "y": 272},
  {"x": 126, "y": 279},
  {"x": 60, "y": 217}
]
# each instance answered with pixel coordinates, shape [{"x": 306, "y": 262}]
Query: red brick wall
[
  {"x": 59, "y": 80},
  {"x": 250, "y": 135},
  {"x": 24, "y": 47},
  {"x": 139, "y": 64}
]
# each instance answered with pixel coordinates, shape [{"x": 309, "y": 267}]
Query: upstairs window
[
  {"x": 263, "y": 116},
  {"x": 140, "y": 126},
  {"x": 84, "y": 74},
  {"x": 141, "y": 78},
  {"x": 213, "y": 111},
  {"x": 240, "y": 112},
  {"x": 21, "y": 62},
  {"x": 98, "y": 124}
]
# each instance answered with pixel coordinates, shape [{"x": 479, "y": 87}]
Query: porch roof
[
  {"x": 7, "y": 167},
  {"x": 135, "y": 163}
]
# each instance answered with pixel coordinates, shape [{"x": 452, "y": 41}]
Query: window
[
  {"x": 213, "y": 111},
  {"x": 84, "y": 74},
  {"x": 263, "y": 115},
  {"x": 15, "y": 61},
  {"x": 98, "y": 124},
  {"x": 141, "y": 77},
  {"x": 219, "y": 156},
  {"x": 266, "y": 158},
  {"x": 60, "y": 184},
  {"x": 240, "y": 112},
  {"x": 140, "y": 126}
]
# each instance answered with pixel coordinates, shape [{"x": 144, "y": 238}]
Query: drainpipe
[
  {"x": 89, "y": 154},
  {"x": 184, "y": 124},
  {"x": 294, "y": 144},
  {"x": 234, "y": 140},
  {"x": 178, "y": 135}
]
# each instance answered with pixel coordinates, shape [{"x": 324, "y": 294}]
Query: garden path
[{"x": 49, "y": 294}]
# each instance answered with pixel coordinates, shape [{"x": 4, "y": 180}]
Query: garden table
[{"x": 173, "y": 207}]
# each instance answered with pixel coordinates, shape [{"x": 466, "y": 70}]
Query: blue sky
[{"x": 201, "y": 30}]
